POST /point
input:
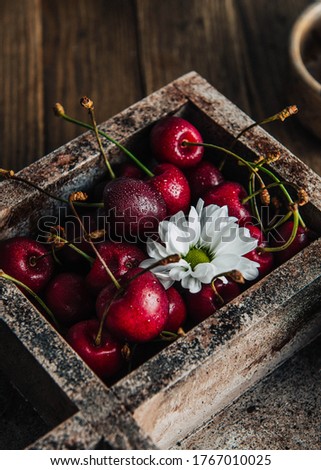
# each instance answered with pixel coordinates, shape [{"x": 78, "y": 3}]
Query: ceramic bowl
[{"x": 305, "y": 59}]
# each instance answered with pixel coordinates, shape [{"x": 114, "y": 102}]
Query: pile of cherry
[{"x": 106, "y": 305}]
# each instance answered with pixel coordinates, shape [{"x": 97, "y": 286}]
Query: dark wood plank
[
  {"x": 89, "y": 49},
  {"x": 21, "y": 83},
  {"x": 240, "y": 46},
  {"x": 266, "y": 28}
]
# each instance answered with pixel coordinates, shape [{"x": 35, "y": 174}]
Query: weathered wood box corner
[{"x": 177, "y": 390}]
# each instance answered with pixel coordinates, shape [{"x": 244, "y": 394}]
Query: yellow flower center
[{"x": 196, "y": 256}]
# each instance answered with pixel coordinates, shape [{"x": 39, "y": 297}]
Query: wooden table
[{"x": 118, "y": 51}]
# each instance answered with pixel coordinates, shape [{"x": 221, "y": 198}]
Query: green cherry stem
[
  {"x": 32, "y": 293},
  {"x": 87, "y": 103},
  {"x": 253, "y": 202},
  {"x": 164, "y": 261},
  {"x": 268, "y": 186},
  {"x": 282, "y": 187},
  {"x": 295, "y": 213},
  {"x": 59, "y": 111},
  {"x": 90, "y": 259},
  {"x": 280, "y": 222},
  {"x": 91, "y": 243},
  {"x": 250, "y": 167}
]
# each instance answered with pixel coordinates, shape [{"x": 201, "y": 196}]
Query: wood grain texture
[
  {"x": 89, "y": 49},
  {"x": 21, "y": 85},
  {"x": 120, "y": 50}
]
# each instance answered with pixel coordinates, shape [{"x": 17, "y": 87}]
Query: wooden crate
[{"x": 195, "y": 377}]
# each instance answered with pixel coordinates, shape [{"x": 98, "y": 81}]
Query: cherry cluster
[{"x": 90, "y": 284}]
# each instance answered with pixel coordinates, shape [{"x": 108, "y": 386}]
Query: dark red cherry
[
  {"x": 230, "y": 194},
  {"x": 130, "y": 170},
  {"x": 140, "y": 313},
  {"x": 119, "y": 257},
  {"x": 176, "y": 311},
  {"x": 133, "y": 208},
  {"x": 265, "y": 259},
  {"x": 167, "y": 138},
  {"x": 20, "y": 257},
  {"x": 172, "y": 184},
  {"x": 105, "y": 360},
  {"x": 205, "y": 302},
  {"x": 283, "y": 233},
  {"x": 202, "y": 178},
  {"x": 68, "y": 298}
]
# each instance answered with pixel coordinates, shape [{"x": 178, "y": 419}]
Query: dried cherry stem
[
  {"x": 161, "y": 262},
  {"x": 295, "y": 212},
  {"x": 9, "y": 174},
  {"x": 32, "y": 293},
  {"x": 87, "y": 103},
  {"x": 78, "y": 195},
  {"x": 60, "y": 112}
]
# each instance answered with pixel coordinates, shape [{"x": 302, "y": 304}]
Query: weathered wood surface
[{"x": 121, "y": 50}]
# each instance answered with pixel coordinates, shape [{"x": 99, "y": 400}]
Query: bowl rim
[{"x": 300, "y": 28}]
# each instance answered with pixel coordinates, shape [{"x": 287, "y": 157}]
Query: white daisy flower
[{"x": 209, "y": 242}]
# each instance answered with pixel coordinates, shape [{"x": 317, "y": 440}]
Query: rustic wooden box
[{"x": 195, "y": 377}]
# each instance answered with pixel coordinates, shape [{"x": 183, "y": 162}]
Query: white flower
[{"x": 209, "y": 242}]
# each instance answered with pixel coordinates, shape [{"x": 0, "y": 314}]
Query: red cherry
[
  {"x": 140, "y": 313},
  {"x": 167, "y": 139},
  {"x": 68, "y": 298},
  {"x": 176, "y": 311},
  {"x": 230, "y": 194},
  {"x": 205, "y": 302},
  {"x": 19, "y": 258},
  {"x": 105, "y": 360},
  {"x": 202, "y": 178},
  {"x": 171, "y": 183},
  {"x": 300, "y": 241},
  {"x": 133, "y": 208},
  {"x": 119, "y": 257},
  {"x": 265, "y": 259},
  {"x": 129, "y": 170}
]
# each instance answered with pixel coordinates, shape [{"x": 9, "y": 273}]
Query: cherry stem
[
  {"x": 110, "y": 139},
  {"x": 228, "y": 152},
  {"x": 295, "y": 212},
  {"x": 89, "y": 258},
  {"x": 253, "y": 202},
  {"x": 268, "y": 186},
  {"x": 220, "y": 298},
  {"x": 9, "y": 174},
  {"x": 88, "y": 104},
  {"x": 88, "y": 239},
  {"x": 161, "y": 262},
  {"x": 32, "y": 293},
  {"x": 280, "y": 222},
  {"x": 282, "y": 187},
  {"x": 280, "y": 116}
]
